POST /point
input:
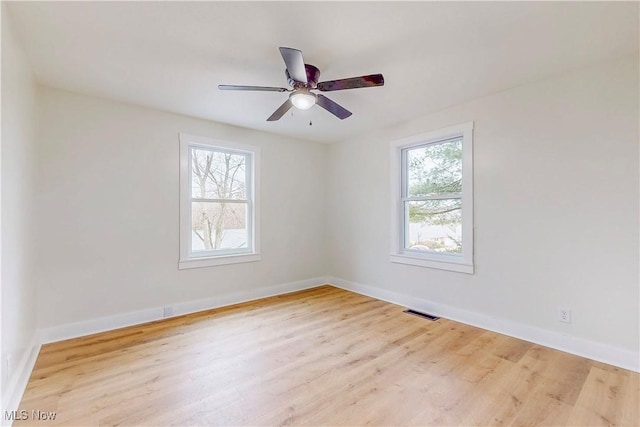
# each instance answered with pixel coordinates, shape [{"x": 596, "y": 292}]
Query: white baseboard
[
  {"x": 18, "y": 382},
  {"x": 593, "y": 350},
  {"x": 92, "y": 326},
  {"x": 616, "y": 356}
]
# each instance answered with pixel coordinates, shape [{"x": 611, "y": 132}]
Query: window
[
  {"x": 218, "y": 202},
  {"x": 432, "y": 190}
]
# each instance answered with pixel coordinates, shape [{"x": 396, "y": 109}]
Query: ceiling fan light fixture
[
  {"x": 303, "y": 99},
  {"x": 303, "y": 78}
]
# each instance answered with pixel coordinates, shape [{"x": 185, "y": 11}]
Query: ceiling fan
[{"x": 303, "y": 78}]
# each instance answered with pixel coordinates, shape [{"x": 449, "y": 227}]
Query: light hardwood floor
[{"x": 323, "y": 356}]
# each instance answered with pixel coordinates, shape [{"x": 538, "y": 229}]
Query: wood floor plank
[
  {"x": 322, "y": 356},
  {"x": 604, "y": 400}
]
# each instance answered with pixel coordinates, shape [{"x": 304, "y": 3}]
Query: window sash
[
  {"x": 197, "y": 199},
  {"x": 248, "y": 201},
  {"x": 247, "y": 162},
  {"x": 202, "y": 253},
  {"x": 406, "y": 235},
  {"x": 434, "y": 197},
  {"x": 405, "y": 165},
  {"x": 404, "y": 199}
]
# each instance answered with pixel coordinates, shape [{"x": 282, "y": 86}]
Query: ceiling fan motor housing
[
  {"x": 313, "y": 75},
  {"x": 303, "y": 78}
]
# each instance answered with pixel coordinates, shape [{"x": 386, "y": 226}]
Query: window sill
[
  {"x": 217, "y": 260},
  {"x": 430, "y": 263}
]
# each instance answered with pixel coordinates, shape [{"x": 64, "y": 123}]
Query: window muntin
[
  {"x": 432, "y": 193},
  {"x": 218, "y": 211}
]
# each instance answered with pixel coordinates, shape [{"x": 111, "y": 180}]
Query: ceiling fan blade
[
  {"x": 259, "y": 88},
  {"x": 295, "y": 64},
  {"x": 332, "y": 107},
  {"x": 352, "y": 83},
  {"x": 280, "y": 111}
]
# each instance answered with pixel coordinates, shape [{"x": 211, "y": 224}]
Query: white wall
[
  {"x": 558, "y": 157},
  {"x": 108, "y": 227},
  {"x": 17, "y": 198},
  {"x": 556, "y": 207}
]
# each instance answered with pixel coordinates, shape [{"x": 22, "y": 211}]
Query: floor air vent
[{"x": 423, "y": 315}]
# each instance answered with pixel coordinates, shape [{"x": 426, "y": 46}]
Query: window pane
[
  {"x": 435, "y": 169},
  {"x": 218, "y": 226},
  {"x": 434, "y": 225},
  {"x": 218, "y": 175}
]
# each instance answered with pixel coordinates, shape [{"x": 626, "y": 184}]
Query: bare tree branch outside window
[{"x": 219, "y": 213}]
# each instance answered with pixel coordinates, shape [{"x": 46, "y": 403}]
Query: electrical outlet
[
  {"x": 564, "y": 314},
  {"x": 167, "y": 311}
]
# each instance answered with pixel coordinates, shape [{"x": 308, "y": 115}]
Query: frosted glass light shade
[{"x": 303, "y": 99}]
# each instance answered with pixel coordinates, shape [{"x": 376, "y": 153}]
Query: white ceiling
[{"x": 172, "y": 55}]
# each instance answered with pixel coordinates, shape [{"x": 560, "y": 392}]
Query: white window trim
[
  {"x": 460, "y": 263},
  {"x": 188, "y": 259}
]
